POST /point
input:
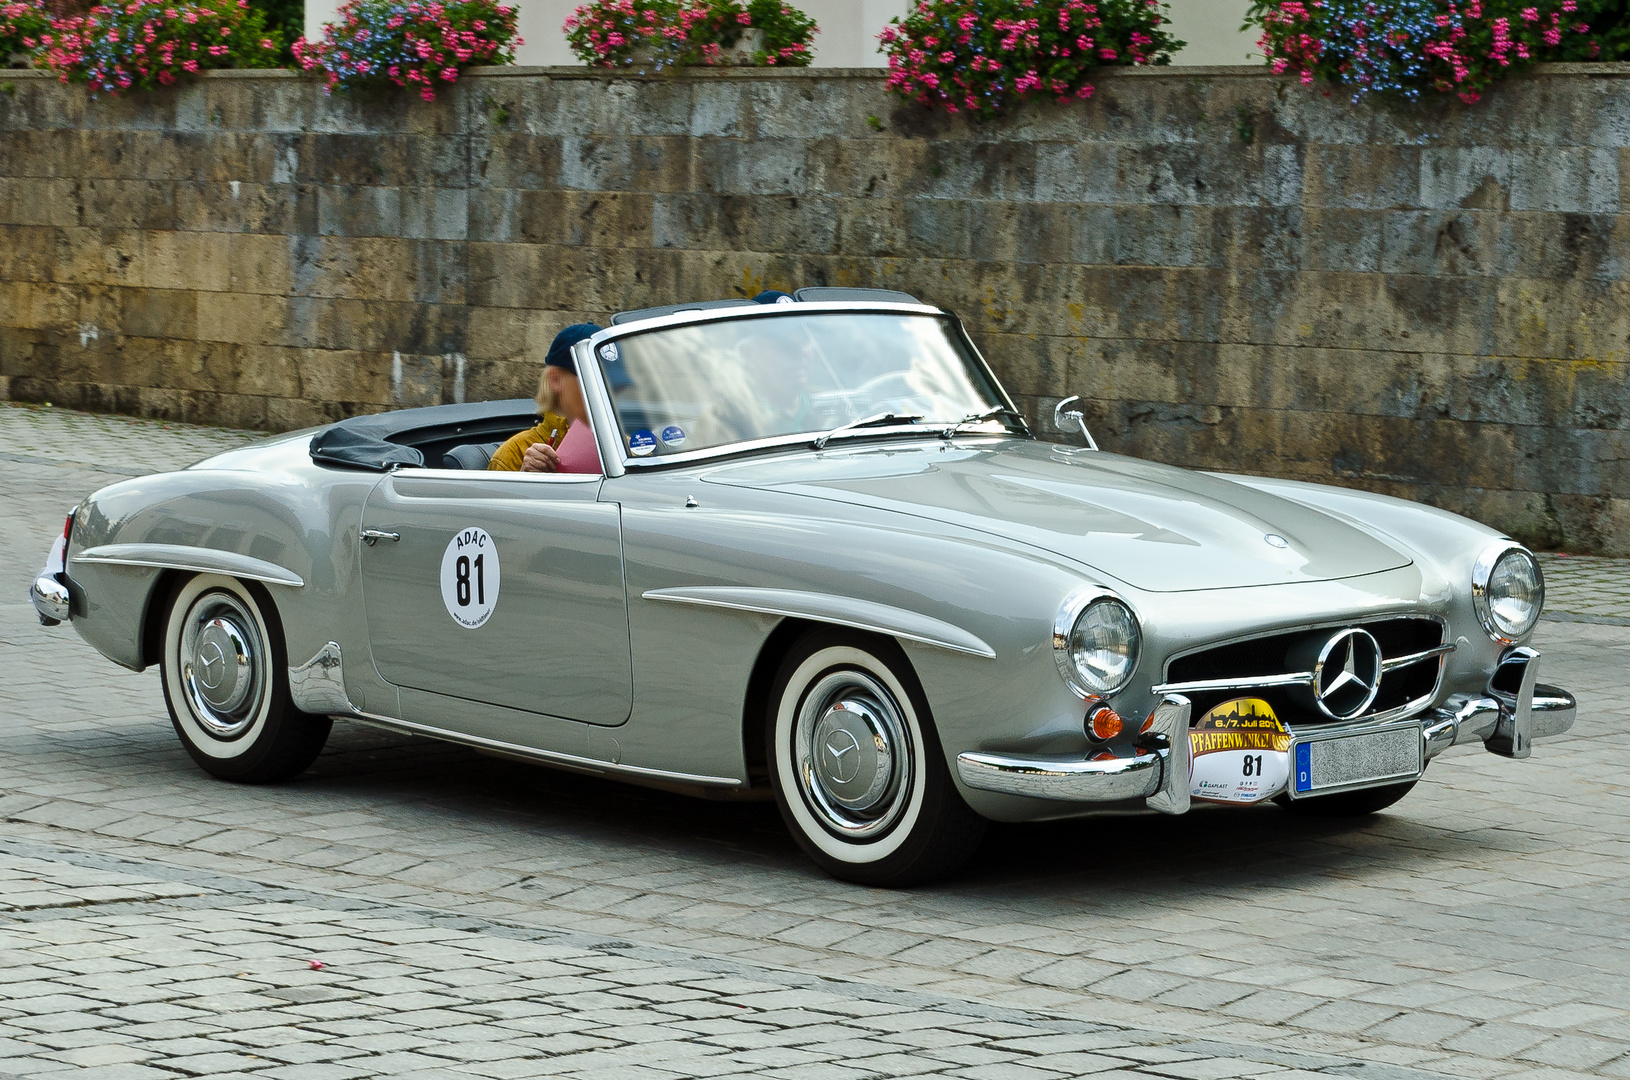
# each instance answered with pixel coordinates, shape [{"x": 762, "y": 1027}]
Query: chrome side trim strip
[
  {"x": 200, "y": 560},
  {"x": 318, "y": 685},
  {"x": 547, "y": 757},
  {"x": 837, "y": 610}
]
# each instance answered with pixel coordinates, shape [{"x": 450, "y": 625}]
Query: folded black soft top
[{"x": 383, "y": 441}]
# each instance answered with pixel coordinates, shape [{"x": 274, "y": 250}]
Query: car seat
[{"x": 469, "y": 456}]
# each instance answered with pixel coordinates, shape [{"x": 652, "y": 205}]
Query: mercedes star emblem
[
  {"x": 1348, "y": 674},
  {"x": 838, "y": 746},
  {"x": 214, "y": 661}
]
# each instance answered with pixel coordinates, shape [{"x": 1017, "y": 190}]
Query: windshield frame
[{"x": 615, "y": 455}]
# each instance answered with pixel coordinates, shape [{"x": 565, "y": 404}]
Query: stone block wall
[{"x": 1236, "y": 272}]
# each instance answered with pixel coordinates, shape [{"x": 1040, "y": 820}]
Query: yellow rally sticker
[{"x": 1241, "y": 753}]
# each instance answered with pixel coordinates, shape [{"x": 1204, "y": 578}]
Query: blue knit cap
[
  {"x": 773, "y": 296},
  {"x": 560, "y": 350}
]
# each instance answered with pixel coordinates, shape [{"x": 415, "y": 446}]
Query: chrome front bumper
[
  {"x": 1158, "y": 773},
  {"x": 49, "y": 592},
  {"x": 1514, "y": 710}
]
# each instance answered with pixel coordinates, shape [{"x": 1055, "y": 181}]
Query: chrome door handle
[{"x": 374, "y": 536}]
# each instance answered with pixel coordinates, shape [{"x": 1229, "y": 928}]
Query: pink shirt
[{"x": 578, "y": 454}]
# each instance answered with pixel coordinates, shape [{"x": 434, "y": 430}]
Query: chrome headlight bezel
[
  {"x": 1070, "y": 613},
  {"x": 1483, "y": 571}
]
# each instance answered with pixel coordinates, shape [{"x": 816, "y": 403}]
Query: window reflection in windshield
[{"x": 711, "y": 384}]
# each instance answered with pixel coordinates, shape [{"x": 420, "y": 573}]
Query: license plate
[{"x": 1328, "y": 763}]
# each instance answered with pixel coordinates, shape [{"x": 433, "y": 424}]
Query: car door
[{"x": 503, "y": 588}]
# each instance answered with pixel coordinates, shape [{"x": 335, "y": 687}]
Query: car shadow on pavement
[{"x": 1265, "y": 845}]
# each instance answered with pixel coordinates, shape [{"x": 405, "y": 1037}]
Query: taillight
[{"x": 68, "y": 525}]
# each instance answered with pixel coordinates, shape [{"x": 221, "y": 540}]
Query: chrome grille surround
[{"x": 1297, "y": 678}]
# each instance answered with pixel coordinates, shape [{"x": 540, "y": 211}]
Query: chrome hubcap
[
  {"x": 853, "y": 758},
  {"x": 223, "y": 665}
]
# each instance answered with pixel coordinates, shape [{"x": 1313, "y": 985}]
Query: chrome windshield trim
[
  {"x": 617, "y": 460},
  {"x": 761, "y": 311}
]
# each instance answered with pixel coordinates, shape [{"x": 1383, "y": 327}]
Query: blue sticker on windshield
[
  {"x": 673, "y": 436},
  {"x": 641, "y": 443}
]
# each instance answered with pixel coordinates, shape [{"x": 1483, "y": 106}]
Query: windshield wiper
[
  {"x": 874, "y": 420},
  {"x": 1001, "y": 412}
]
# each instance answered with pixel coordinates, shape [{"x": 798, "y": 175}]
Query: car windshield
[{"x": 712, "y": 384}]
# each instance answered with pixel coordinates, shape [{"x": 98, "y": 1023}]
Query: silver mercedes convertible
[{"x": 828, "y": 561}]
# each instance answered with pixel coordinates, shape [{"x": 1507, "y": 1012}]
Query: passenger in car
[{"x": 560, "y": 405}]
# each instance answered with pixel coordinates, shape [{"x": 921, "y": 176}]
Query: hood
[{"x": 1155, "y": 527}]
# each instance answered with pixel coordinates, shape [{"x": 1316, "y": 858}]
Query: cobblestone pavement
[{"x": 475, "y": 917}]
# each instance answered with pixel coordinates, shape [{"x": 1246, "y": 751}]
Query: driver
[{"x": 549, "y": 447}]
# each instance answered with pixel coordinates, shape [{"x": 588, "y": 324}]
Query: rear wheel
[
  {"x": 857, "y": 768},
  {"x": 1348, "y": 803},
  {"x": 226, "y": 684}
]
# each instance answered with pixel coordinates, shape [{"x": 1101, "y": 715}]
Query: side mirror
[{"x": 1068, "y": 416}]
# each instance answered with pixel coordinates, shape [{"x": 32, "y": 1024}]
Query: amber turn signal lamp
[{"x": 1102, "y": 723}]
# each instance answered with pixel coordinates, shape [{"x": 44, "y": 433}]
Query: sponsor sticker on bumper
[{"x": 1241, "y": 753}]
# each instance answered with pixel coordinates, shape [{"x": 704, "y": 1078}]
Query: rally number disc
[{"x": 469, "y": 577}]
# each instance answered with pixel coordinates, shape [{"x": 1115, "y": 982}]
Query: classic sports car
[{"x": 827, "y": 559}]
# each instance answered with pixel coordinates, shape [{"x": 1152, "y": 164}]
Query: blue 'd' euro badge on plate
[
  {"x": 1304, "y": 767},
  {"x": 673, "y": 436},
  {"x": 642, "y": 443}
]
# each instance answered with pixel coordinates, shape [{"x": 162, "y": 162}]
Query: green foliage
[{"x": 287, "y": 18}]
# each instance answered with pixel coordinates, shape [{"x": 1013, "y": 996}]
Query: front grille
[{"x": 1271, "y": 657}]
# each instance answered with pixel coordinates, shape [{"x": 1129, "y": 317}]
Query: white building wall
[{"x": 849, "y": 29}]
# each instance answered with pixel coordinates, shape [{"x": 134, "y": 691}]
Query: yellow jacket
[{"x": 508, "y": 457}]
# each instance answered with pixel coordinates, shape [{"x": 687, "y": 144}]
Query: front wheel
[
  {"x": 226, "y": 685},
  {"x": 857, "y": 768}
]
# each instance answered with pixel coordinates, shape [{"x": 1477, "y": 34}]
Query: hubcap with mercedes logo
[
  {"x": 1347, "y": 676},
  {"x": 223, "y": 665},
  {"x": 853, "y": 755}
]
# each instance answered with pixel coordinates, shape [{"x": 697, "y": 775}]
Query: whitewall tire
[
  {"x": 856, "y": 766},
  {"x": 225, "y": 680}
]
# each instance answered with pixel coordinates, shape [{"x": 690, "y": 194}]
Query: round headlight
[
  {"x": 1508, "y": 591},
  {"x": 1096, "y": 644}
]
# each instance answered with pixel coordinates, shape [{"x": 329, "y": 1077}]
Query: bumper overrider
[
  {"x": 49, "y": 592},
  {"x": 1514, "y": 710}
]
